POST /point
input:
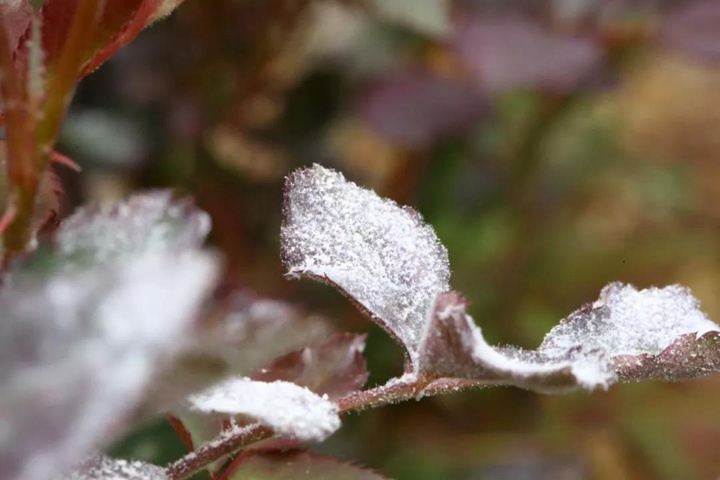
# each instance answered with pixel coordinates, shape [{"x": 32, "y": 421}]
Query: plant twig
[
  {"x": 226, "y": 444},
  {"x": 397, "y": 390},
  {"x": 22, "y": 172}
]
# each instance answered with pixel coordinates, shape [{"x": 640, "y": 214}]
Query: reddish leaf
[
  {"x": 17, "y": 16},
  {"x": 297, "y": 465},
  {"x": 454, "y": 349},
  {"x": 335, "y": 367},
  {"x": 119, "y": 24},
  {"x": 511, "y": 52},
  {"x": 688, "y": 357},
  {"x": 416, "y": 109},
  {"x": 694, "y": 30}
]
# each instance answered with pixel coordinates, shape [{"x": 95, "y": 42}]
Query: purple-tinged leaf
[
  {"x": 690, "y": 356},
  {"x": 335, "y": 367},
  {"x": 80, "y": 345},
  {"x": 381, "y": 255},
  {"x": 287, "y": 408},
  {"x": 509, "y": 52},
  {"x": 239, "y": 334},
  {"x": 298, "y": 465},
  {"x": 455, "y": 349},
  {"x": 99, "y": 467},
  {"x": 416, "y": 108},
  {"x": 627, "y": 334},
  {"x": 694, "y": 30}
]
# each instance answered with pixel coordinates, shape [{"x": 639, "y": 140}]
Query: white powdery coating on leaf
[
  {"x": 99, "y": 467},
  {"x": 590, "y": 373},
  {"x": 147, "y": 222},
  {"x": 625, "y": 321},
  {"x": 80, "y": 348},
  {"x": 381, "y": 254},
  {"x": 285, "y": 407}
]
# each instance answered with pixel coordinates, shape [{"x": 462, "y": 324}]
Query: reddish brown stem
[
  {"x": 22, "y": 173},
  {"x": 228, "y": 444}
]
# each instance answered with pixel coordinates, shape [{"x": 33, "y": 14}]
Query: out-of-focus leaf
[
  {"x": 381, "y": 255},
  {"x": 81, "y": 345},
  {"x": 426, "y": 16},
  {"x": 416, "y": 108},
  {"x": 152, "y": 222},
  {"x": 335, "y": 367},
  {"x": 239, "y": 334},
  {"x": 99, "y": 467},
  {"x": 17, "y": 15},
  {"x": 299, "y": 465},
  {"x": 285, "y": 407},
  {"x": 508, "y": 52},
  {"x": 693, "y": 30}
]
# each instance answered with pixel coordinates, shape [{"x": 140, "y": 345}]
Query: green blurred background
[{"x": 577, "y": 168}]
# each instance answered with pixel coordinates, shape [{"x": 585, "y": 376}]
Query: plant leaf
[
  {"x": 455, "y": 349},
  {"x": 626, "y": 335},
  {"x": 507, "y": 52},
  {"x": 17, "y": 15},
  {"x": 120, "y": 23},
  {"x": 285, "y": 407},
  {"x": 238, "y": 334},
  {"x": 151, "y": 222},
  {"x": 335, "y": 367},
  {"x": 100, "y": 467},
  {"x": 381, "y": 255},
  {"x": 692, "y": 30},
  {"x": 298, "y": 465},
  {"x": 416, "y": 109},
  {"x": 81, "y": 344}
]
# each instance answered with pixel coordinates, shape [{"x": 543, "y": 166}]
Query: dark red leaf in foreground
[
  {"x": 298, "y": 465},
  {"x": 417, "y": 108},
  {"x": 694, "y": 30},
  {"x": 335, "y": 367},
  {"x": 511, "y": 52}
]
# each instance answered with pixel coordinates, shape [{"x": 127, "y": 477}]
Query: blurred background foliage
[{"x": 554, "y": 146}]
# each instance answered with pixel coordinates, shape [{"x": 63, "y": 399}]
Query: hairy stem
[
  {"x": 22, "y": 172},
  {"x": 226, "y": 444},
  {"x": 397, "y": 390}
]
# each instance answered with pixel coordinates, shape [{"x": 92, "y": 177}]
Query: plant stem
[
  {"x": 397, "y": 390},
  {"x": 22, "y": 173},
  {"x": 228, "y": 443},
  {"x": 64, "y": 77},
  {"x": 34, "y": 119}
]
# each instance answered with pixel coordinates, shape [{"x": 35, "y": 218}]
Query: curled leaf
[
  {"x": 381, "y": 255},
  {"x": 285, "y": 407}
]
